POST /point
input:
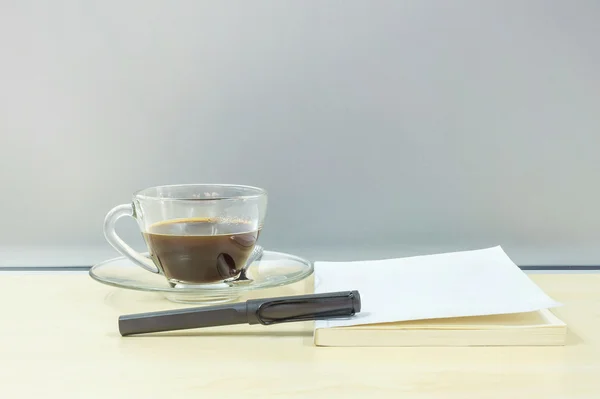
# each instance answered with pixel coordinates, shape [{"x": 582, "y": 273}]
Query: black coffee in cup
[{"x": 201, "y": 250}]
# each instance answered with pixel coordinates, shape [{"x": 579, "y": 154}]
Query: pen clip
[{"x": 342, "y": 308}]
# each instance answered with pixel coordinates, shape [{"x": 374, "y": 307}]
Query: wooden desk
[{"x": 59, "y": 337}]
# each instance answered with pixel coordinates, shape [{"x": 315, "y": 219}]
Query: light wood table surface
[{"x": 59, "y": 338}]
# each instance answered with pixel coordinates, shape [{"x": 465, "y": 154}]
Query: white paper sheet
[{"x": 468, "y": 283}]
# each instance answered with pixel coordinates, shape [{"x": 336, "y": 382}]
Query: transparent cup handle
[{"x": 113, "y": 239}]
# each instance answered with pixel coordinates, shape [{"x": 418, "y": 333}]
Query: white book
[
  {"x": 538, "y": 328},
  {"x": 475, "y": 297}
]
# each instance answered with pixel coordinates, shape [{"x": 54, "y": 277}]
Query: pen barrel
[
  {"x": 303, "y": 307},
  {"x": 181, "y": 319}
]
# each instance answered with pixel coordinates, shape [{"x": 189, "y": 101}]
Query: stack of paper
[{"x": 462, "y": 298}]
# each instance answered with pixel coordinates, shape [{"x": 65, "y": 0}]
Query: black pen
[{"x": 264, "y": 311}]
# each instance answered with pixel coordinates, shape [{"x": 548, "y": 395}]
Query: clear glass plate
[{"x": 274, "y": 269}]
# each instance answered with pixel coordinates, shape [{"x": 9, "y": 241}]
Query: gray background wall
[{"x": 380, "y": 128}]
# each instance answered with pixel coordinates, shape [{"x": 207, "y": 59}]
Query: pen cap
[{"x": 303, "y": 307}]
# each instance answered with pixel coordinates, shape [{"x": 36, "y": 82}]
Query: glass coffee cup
[{"x": 196, "y": 234}]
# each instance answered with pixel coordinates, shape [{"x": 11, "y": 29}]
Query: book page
[{"x": 538, "y": 319}]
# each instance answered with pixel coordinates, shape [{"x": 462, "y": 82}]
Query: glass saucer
[{"x": 274, "y": 269}]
